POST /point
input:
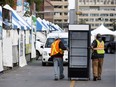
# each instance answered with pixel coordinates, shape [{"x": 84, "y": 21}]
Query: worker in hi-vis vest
[
  {"x": 97, "y": 57},
  {"x": 57, "y": 52}
]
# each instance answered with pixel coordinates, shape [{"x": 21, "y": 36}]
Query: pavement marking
[{"x": 72, "y": 84}]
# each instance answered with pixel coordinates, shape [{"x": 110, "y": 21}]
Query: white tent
[
  {"x": 43, "y": 25},
  {"x": 115, "y": 33},
  {"x": 102, "y": 30},
  {"x": 19, "y": 19},
  {"x": 0, "y": 15}
]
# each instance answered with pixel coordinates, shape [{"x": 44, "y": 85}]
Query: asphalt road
[{"x": 35, "y": 75}]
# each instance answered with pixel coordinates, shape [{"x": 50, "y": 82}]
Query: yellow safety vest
[
  {"x": 55, "y": 48},
  {"x": 100, "y": 47}
]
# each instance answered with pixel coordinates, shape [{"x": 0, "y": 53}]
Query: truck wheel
[
  {"x": 37, "y": 55},
  {"x": 109, "y": 49},
  {"x": 43, "y": 64},
  {"x": 112, "y": 51}
]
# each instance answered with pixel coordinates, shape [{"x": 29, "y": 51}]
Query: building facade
[
  {"x": 95, "y": 12},
  {"x": 60, "y": 12},
  {"x": 48, "y": 11}
]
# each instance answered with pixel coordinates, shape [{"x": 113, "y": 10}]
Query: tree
[
  {"x": 37, "y": 2},
  {"x": 10, "y": 2}
]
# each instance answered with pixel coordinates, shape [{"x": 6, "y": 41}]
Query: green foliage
[
  {"x": 9, "y": 2},
  {"x": 37, "y": 2},
  {"x": 30, "y": 1}
]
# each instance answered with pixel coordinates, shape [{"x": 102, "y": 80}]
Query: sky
[{"x": 71, "y": 4}]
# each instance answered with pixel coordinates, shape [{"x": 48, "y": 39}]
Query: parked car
[
  {"x": 110, "y": 43},
  {"x": 110, "y": 47}
]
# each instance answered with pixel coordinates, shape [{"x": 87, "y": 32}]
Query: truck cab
[{"x": 47, "y": 47}]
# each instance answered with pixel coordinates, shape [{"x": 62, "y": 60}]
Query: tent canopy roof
[
  {"x": 102, "y": 30},
  {"x": 17, "y": 18}
]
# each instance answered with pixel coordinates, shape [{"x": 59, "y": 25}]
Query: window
[
  {"x": 65, "y": 13},
  {"x": 65, "y": 6},
  {"x": 106, "y": 19},
  {"x": 57, "y": 6},
  {"x": 111, "y": 14},
  {"x": 58, "y": 14},
  {"x": 58, "y": 20},
  {"x": 50, "y": 41},
  {"x": 65, "y": 20}
]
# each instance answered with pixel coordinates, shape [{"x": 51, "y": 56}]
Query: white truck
[
  {"x": 47, "y": 47},
  {"x": 40, "y": 41}
]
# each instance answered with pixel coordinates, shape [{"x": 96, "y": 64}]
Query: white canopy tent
[
  {"x": 1, "y": 53},
  {"x": 43, "y": 26},
  {"x": 0, "y": 15},
  {"x": 102, "y": 30},
  {"x": 115, "y": 33},
  {"x": 17, "y": 18}
]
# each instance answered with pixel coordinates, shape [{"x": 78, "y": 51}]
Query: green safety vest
[{"x": 100, "y": 45}]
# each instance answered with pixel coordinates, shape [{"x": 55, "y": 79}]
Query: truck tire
[
  {"x": 109, "y": 49},
  {"x": 37, "y": 55},
  {"x": 43, "y": 64},
  {"x": 112, "y": 51}
]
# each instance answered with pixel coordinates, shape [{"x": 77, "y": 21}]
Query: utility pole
[{"x": 73, "y": 14}]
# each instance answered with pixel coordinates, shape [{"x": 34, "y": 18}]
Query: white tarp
[
  {"x": 7, "y": 49},
  {"x": 0, "y": 16},
  {"x": 33, "y": 49},
  {"x": 15, "y": 45},
  {"x": 15, "y": 34},
  {"x": 102, "y": 30},
  {"x": 1, "y": 65},
  {"x": 41, "y": 36},
  {"x": 22, "y": 59},
  {"x": 115, "y": 33},
  {"x": 27, "y": 37}
]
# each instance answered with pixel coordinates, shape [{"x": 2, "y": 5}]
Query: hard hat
[{"x": 56, "y": 37}]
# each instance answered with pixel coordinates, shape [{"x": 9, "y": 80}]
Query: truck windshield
[{"x": 50, "y": 41}]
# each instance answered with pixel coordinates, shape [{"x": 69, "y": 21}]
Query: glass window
[
  {"x": 65, "y": 41},
  {"x": 66, "y": 6},
  {"x": 65, "y": 20},
  {"x": 65, "y": 13},
  {"x": 50, "y": 41}
]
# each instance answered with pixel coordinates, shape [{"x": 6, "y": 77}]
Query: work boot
[
  {"x": 61, "y": 77},
  {"x": 56, "y": 78},
  {"x": 99, "y": 78},
  {"x": 95, "y": 78}
]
